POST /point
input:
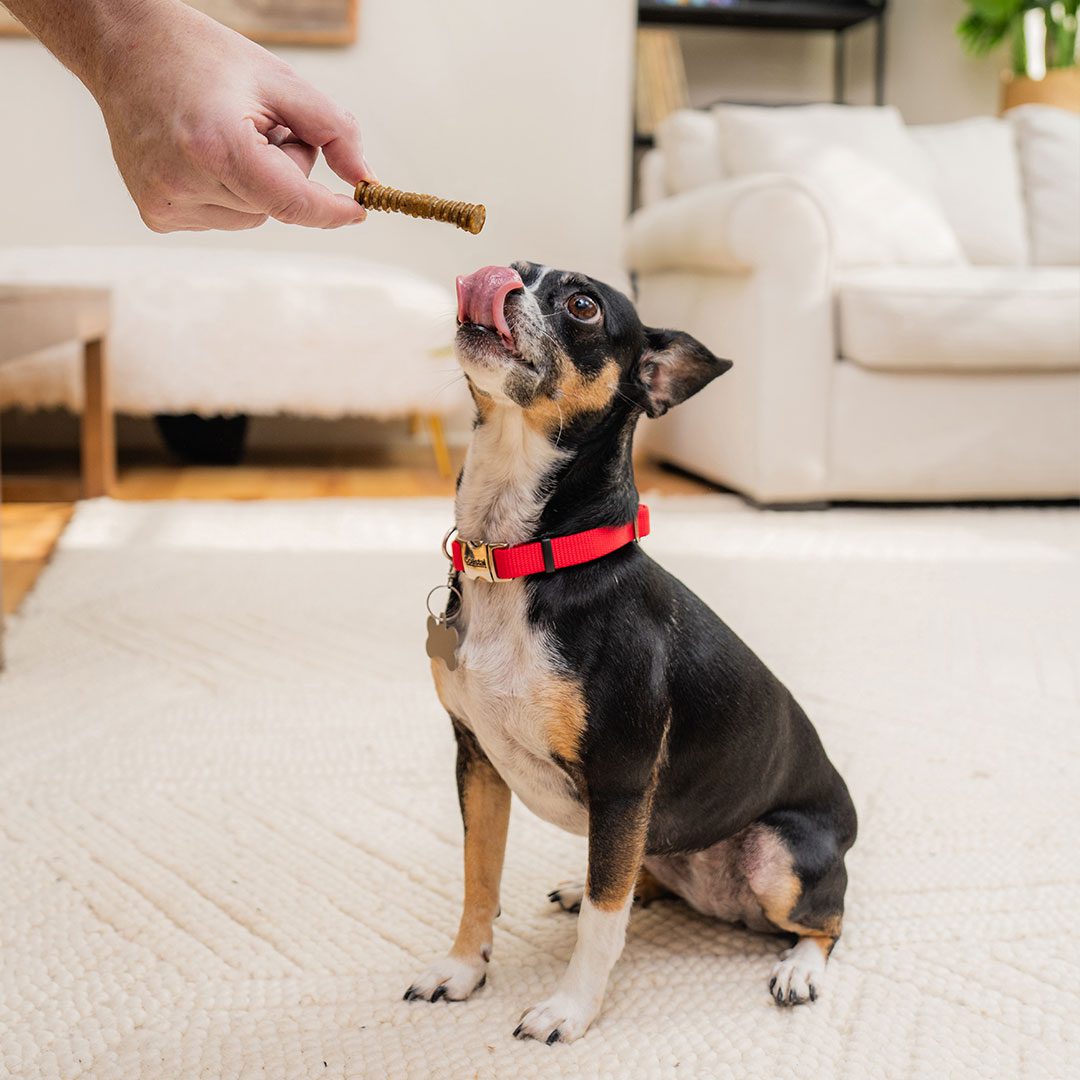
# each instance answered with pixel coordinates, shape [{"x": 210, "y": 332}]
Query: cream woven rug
[{"x": 229, "y": 835}]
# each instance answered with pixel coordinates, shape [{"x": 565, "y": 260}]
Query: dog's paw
[
  {"x": 568, "y": 895},
  {"x": 561, "y": 1018},
  {"x": 450, "y": 979},
  {"x": 798, "y": 975}
]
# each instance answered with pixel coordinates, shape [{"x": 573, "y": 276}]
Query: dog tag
[{"x": 442, "y": 642}]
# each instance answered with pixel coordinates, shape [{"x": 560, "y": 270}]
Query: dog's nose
[{"x": 481, "y": 298}]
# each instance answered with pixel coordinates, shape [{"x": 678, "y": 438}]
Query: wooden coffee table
[{"x": 34, "y": 317}]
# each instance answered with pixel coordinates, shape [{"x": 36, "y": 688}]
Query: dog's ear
[{"x": 673, "y": 367}]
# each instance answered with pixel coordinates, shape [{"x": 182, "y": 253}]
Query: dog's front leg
[
  {"x": 617, "y": 827},
  {"x": 485, "y": 813}
]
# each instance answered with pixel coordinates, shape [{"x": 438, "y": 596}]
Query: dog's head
[{"x": 566, "y": 348}]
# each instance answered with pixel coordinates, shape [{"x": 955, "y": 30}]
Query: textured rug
[{"x": 229, "y": 835}]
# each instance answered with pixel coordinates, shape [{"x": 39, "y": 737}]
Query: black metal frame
[{"x": 839, "y": 16}]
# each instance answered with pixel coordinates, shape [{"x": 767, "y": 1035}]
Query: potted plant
[{"x": 1042, "y": 39}]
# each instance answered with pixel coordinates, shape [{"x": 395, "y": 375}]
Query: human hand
[{"x": 211, "y": 131}]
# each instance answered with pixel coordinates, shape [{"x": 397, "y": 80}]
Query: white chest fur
[
  {"x": 508, "y": 680},
  {"x": 504, "y": 688}
]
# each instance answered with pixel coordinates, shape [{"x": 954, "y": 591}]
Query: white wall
[
  {"x": 928, "y": 75},
  {"x": 523, "y": 106}
]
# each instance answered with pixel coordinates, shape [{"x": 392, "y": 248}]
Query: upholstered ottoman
[{"x": 263, "y": 333}]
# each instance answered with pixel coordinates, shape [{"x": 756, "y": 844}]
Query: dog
[{"x": 603, "y": 692}]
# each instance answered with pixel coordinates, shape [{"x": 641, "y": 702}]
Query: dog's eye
[{"x": 583, "y": 307}]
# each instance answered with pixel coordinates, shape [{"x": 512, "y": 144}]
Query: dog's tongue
[{"x": 481, "y": 296}]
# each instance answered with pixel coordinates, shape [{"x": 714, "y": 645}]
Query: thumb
[{"x": 318, "y": 121}]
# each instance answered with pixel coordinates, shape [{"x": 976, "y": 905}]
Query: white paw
[
  {"x": 798, "y": 975},
  {"x": 561, "y": 1018},
  {"x": 448, "y": 978},
  {"x": 568, "y": 895}
]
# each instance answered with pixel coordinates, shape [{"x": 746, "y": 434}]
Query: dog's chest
[{"x": 505, "y": 689}]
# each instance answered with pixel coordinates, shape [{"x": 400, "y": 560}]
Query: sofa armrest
[
  {"x": 729, "y": 226},
  {"x": 652, "y": 178},
  {"x": 745, "y": 266}
]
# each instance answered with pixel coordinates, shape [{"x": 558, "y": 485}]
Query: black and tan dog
[{"x": 605, "y": 694}]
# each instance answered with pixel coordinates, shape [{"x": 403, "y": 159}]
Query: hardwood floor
[
  {"x": 37, "y": 508},
  {"x": 28, "y": 534}
]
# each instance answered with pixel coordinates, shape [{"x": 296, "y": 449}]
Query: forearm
[
  {"x": 209, "y": 130},
  {"x": 86, "y": 36}
]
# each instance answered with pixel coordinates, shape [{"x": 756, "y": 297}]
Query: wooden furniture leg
[
  {"x": 438, "y": 445},
  {"x": 98, "y": 424},
  {"x": 1, "y": 586}
]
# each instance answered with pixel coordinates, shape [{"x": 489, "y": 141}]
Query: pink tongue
[{"x": 481, "y": 296}]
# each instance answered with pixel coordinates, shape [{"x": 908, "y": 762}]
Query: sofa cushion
[
  {"x": 872, "y": 179},
  {"x": 1050, "y": 161},
  {"x": 689, "y": 142},
  {"x": 976, "y": 173},
  {"x": 973, "y": 318}
]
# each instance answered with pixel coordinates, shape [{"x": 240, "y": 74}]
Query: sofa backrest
[
  {"x": 689, "y": 141},
  {"x": 976, "y": 173},
  {"x": 1049, "y": 141},
  {"x": 860, "y": 164},
  {"x": 1006, "y": 188}
]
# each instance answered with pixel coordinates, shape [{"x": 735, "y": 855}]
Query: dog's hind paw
[
  {"x": 568, "y": 895},
  {"x": 797, "y": 976},
  {"x": 450, "y": 979}
]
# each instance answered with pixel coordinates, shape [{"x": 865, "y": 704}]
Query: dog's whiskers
[
  {"x": 625, "y": 397},
  {"x": 446, "y": 386}
]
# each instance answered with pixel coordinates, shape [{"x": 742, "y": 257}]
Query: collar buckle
[{"x": 478, "y": 560}]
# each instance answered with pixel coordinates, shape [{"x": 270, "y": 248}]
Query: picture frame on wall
[
  {"x": 10, "y": 26},
  {"x": 271, "y": 22}
]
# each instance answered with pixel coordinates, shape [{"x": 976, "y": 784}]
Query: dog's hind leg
[
  {"x": 569, "y": 894},
  {"x": 648, "y": 889},
  {"x": 798, "y": 975},
  {"x": 795, "y": 869}
]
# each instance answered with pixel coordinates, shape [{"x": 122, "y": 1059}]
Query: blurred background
[{"x": 285, "y": 361}]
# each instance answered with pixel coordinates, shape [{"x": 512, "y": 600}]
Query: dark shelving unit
[{"x": 835, "y": 16}]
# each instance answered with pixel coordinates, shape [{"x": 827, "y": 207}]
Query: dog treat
[{"x": 467, "y": 216}]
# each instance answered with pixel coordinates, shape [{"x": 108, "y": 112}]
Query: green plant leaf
[
  {"x": 989, "y": 23},
  {"x": 1000, "y": 10},
  {"x": 981, "y": 35}
]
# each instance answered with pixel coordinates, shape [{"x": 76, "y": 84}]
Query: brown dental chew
[{"x": 467, "y": 216}]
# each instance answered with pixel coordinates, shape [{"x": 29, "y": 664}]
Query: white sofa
[{"x": 902, "y": 304}]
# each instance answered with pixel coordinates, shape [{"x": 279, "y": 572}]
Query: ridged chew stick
[{"x": 467, "y": 216}]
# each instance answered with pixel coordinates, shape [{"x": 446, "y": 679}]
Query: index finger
[
  {"x": 271, "y": 182},
  {"x": 319, "y": 121}
]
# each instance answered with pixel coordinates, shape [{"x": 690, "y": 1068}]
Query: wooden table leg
[
  {"x": 438, "y": 445},
  {"x": 1, "y": 587},
  {"x": 98, "y": 424}
]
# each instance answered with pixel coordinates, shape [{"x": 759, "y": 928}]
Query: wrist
[
  {"x": 119, "y": 34},
  {"x": 89, "y": 36}
]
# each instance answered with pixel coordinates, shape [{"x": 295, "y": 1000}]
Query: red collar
[{"x": 500, "y": 562}]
